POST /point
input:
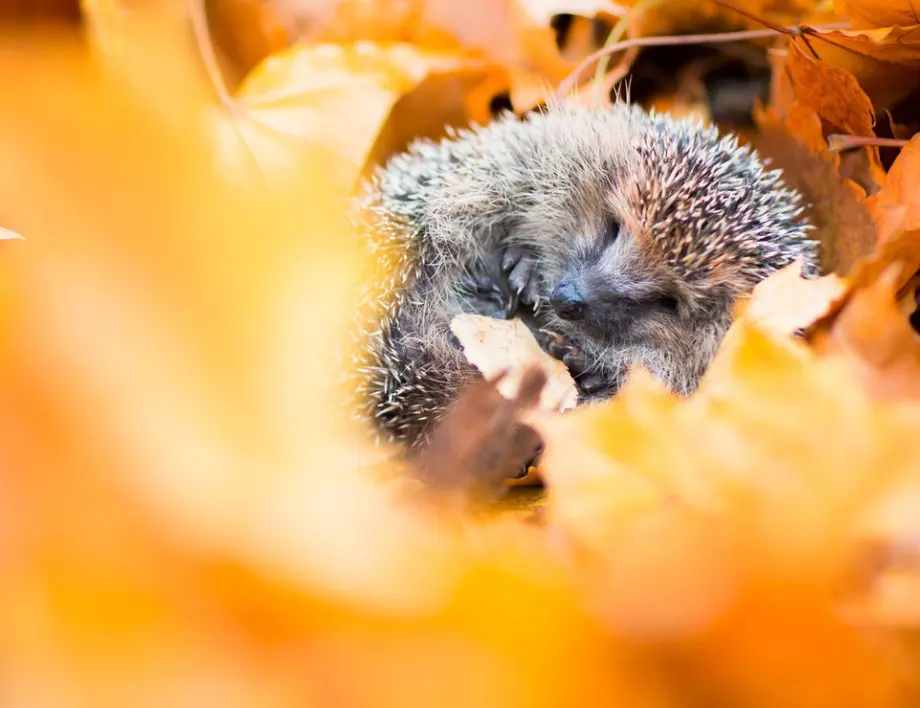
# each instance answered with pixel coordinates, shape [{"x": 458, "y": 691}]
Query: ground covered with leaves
[{"x": 187, "y": 517}]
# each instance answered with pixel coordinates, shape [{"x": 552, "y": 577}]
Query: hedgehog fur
[{"x": 626, "y": 235}]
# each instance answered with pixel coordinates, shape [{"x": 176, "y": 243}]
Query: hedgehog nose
[{"x": 567, "y": 301}]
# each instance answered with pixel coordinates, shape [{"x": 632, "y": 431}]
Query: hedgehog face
[{"x": 613, "y": 290}]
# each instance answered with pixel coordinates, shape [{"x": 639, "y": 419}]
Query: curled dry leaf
[
  {"x": 873, "y": 336},
  {"x": 480, "y": 442},
  {"x": 497, "y": 347}
]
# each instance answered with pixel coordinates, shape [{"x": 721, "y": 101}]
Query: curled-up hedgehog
[{"x": 621, "y": 237}]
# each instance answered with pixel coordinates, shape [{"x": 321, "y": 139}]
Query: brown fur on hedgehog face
[
  {"x": 668, "y": 233},
  {"x": 609, "y": 284}
]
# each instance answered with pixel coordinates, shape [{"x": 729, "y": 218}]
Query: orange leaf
[
  {"x": 874, "y": 337},
  {"x": 885, "y": 61},
  {"x": 897, "y": 206},
  {"x": 831, "y": 91},
  {"x": 880, "y": 13},
  {"x": 834, "y": 206},
  {"x": 752, "y": 485}
]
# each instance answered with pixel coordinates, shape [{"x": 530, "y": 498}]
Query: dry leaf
[
  {"x": 879, "y": 13},
  {"x": 327, "y": 96},
  {"x": 752, "y": 484},
  {"x": 897, "y": 206},
  {"x": 832, "y": 92},
  {"x": 834, "y": 206},
  {"x": 481, "y": 442},
  {"x": 786, "y": 302},
  {"x": 874, "y": 337},
  {"x": 495, "y": 346},
  {"x": 885, "y": 62}
]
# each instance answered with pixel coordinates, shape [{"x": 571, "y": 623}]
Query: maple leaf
[{"x": 298, "y": 99}]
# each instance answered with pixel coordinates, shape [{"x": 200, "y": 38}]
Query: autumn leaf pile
[{"x": 188, "y": 519}]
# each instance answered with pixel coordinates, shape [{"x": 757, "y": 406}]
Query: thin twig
[
  {"x": 837, "y": 142},
  {"x": 792, "y": 31},
  {"x": 675, "y": 40},
  {"x": 779, "y": 29}
]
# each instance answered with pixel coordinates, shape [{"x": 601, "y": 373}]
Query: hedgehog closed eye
[
  {"x": 611, "y": 229},
  {"x": 666, "y": 302}
]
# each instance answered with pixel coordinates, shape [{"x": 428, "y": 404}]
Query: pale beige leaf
[{"x": 496, "y": 346}]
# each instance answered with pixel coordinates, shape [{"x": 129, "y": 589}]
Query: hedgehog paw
[
  {"x": 520, "y": 266},
  {"x": 569, "y": 354},
  {"x": 590, "y": 385},
  {"x": 485, "y": 294}
]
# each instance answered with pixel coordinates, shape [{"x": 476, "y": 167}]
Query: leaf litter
[{"x": 177, "y": 478}]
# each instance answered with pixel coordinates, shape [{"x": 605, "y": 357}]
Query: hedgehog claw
[
  {"x": 575, "y": 360},
  {"x": 521, "y": 268},
  {"x": 557, "y": 350}
]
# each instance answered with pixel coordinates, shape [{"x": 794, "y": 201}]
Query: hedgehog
[{"x": 621, "y": 237}]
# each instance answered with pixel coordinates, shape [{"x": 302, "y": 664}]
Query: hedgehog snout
[{"x": 568, "y": 301}]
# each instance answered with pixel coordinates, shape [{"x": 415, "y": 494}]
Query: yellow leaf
[
  {"x": 786, "y": 302},
  {"x": 360, "y": 102},
  {"x": 733, "y": 513}
]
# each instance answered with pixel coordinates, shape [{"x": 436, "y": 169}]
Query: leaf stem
[
  {"x": 674, "y": 40},
  {"x": 837, "y": 142}
]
